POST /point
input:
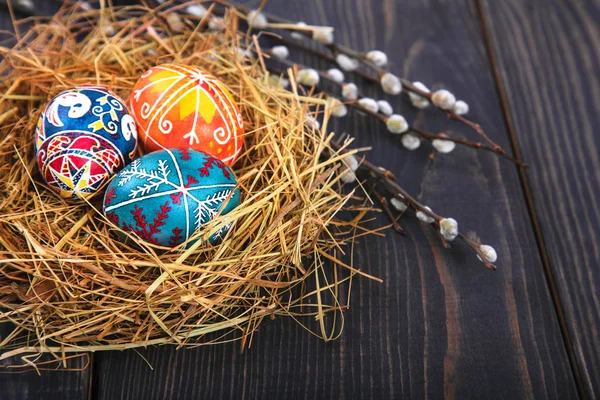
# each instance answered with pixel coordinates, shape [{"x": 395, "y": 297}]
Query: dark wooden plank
[
  {"x": 549, "y": 62},
  {"x": 440, "y": 324},
  {"x": 52, "y": 382}
]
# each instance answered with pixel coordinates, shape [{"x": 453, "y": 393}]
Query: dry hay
[{"x": 68, "y": 283}]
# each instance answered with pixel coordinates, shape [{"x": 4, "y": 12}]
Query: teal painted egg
[
  {"x": 166, "y": 196},
  {"x": 83, "y": 137}
]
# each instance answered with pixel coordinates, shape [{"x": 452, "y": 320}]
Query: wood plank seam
[
  {"x": 550, "y": 279},
  {"x": 92, "y": 381}
]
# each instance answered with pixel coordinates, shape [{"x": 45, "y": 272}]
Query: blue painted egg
[
  {"x": 82, "y": 138},
  {"x": 166, "y": 196}
]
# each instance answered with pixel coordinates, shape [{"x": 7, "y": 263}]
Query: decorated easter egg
[
  {"x": 179, "y": 106},
  {"x": 82, "y": 138},
  {"x": 166, "y": 196}
]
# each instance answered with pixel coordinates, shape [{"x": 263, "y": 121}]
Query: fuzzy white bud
[
  {"x": 377, "y": 57},
  {"x": 443, "y": 146},
  {"x": 351, "y": 162},
  {"x": 284, "y": 82},
  {"x": 420, "y": 103},
  {"x": 421, "y": 86},
  {"x": 443, "y": 99},
  {"x": 424, "y": 217},
  {"x": 308, "y": 77},
  {"x": 280, "y": 51},
  {"x": 348, "y": 177},
  {"x": 335, "y": 75},
  {"x": 211, "y": 56},
  {"x": 346, "y": 63},
  {"x": 277, "y": 82},
  {"x": 25, "y": 5},
  {"x": 323, "y": 34},
  {"x": 385, "y": 108},
  {"x": 85, "y": 6},
  {"x": 175, "y": 22},
  {"x": 410, "y": 141},
  {"x": 350, "y": 91},
  {"x": 449, "y": 228},
  {"x": 338, "y": 109},
  {"x": 418, "y": 100},
  {"x": 369, "y": 104},
  {"x": 244, "y": 54},
  {"x": 216, "y": 24},
  {"x": 396, "y": 124},
  {"x": 489, "y": 253},
  {"x": 108, "y": 30},
  {"x": 257, "y": 20},
  {"x": 391, "y": 83},
  {"x": 312, "y": 122},
  {"x": 398, "y": 204},
  {"x": 298, "y": 35},
  {"x": 461, "y": 108},
  {"x": 196, "y": 10}
]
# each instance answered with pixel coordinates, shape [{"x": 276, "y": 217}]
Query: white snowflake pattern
[
  {"x": 221, "y": 232},
  {"x": 154, "y": 183},
  {"x": 207, "y": 209},
  {"x": 133, "y": 167},
  {"x": 154, "y": 178}
]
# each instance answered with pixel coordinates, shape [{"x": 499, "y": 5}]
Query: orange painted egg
[{"x": 180, "y": 106}]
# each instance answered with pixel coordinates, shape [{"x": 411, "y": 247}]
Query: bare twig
[
  {"x": 430, "y": 136},
  {"x": 398, "y": 192},
  {"x": 335, "y": 49}
]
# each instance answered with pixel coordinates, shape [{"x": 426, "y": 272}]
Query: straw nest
[{"x": 68, "y": 284}]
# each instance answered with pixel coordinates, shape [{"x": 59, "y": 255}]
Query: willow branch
[
  {"x": 398, "y": 192},
  {"x": 335, "y": 49},
  {"x": 430, "y": 136}
]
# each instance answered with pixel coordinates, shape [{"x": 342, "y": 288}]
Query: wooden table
[{"x": 440, "y": 324}]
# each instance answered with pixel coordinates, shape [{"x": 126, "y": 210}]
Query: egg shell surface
[
  {"x": 82, "y": 138},
  {"x": 181, "y": 106},
  {"x": 164, "y": 197}
]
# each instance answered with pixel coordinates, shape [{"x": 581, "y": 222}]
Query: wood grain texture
[
  {"x": 52, "y": 383},
  {"x": 440, "y": 324},
  {"x": 549, "y": 60}
]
